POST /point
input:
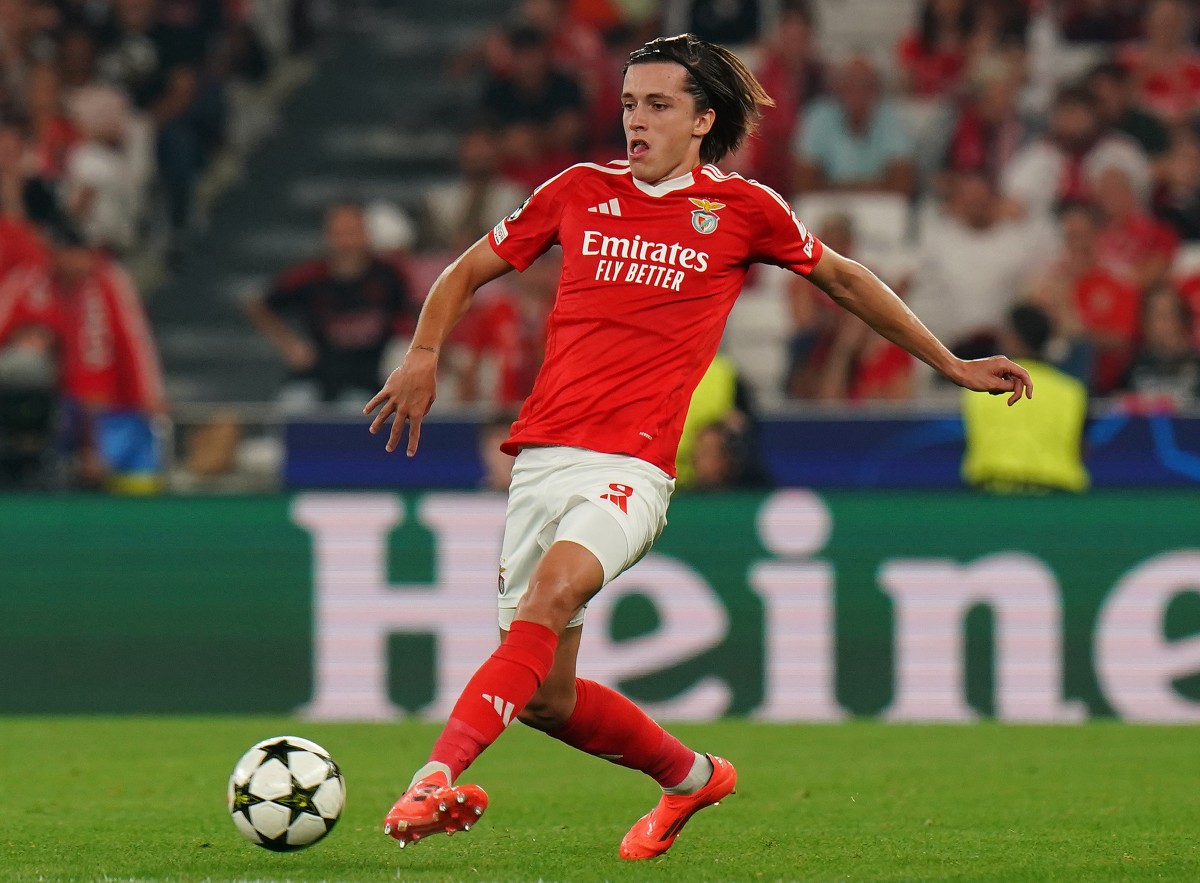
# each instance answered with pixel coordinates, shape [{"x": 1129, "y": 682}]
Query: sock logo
[
  {"x": 503, "y": 708},
  {"x": 619, "y": 496}
]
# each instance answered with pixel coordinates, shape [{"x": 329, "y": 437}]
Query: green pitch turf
[{"x": 143, "y": 799}]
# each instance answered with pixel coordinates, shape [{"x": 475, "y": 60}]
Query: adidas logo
[
  {"x": 504, "y": 709},
  {"x": 612, "y": 207}
]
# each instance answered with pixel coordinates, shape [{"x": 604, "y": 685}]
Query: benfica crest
[{"x": 704, "y": 218}]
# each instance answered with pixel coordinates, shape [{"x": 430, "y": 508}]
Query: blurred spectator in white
[
  {"x": 1099, "y": 21},
  {"x": 504, "y": 336},
  {"x": 460, "y": 211},
  {"x": 1112, "y": 88},
  {"x": 347, "y": 306},
  {"x": 989, "y": 129},
  {"x": 854, "y": 141},
  {"x": 108, "y": 173},
  {"x": 52, "y": 133},
  {"x": 1165, "y": 64},
  {"x": 972, "y": 264},
  {"x": 537, "y": 108},
  {"x": 1057, "y": 167},
  {"x": 1177, "y": 200},
  {"x": 1093, "y": 309},
  {"x": 109, "y": 374},
  {"x": 791, "y": 71},
  {"x": 933, "y": 57},
  {"x": 1166, "y": 370},
  {"x": 1133, "y": 243}
]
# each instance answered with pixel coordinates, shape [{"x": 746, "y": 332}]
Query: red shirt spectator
[
  {"x": 107, "y": 357},
  {"x": 19, "y": 244},
  {"x": 1133, "y": 244},
  {"x": 1108, "y": 308},
  {"x": 989, "y": 129},
  {"x": 500, "y": 331},
  {"x": 934, "y": 56},
  {"x": 1165, "y": 65}
]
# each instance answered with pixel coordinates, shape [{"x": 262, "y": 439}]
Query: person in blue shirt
[{"x": 854, "y": 140}]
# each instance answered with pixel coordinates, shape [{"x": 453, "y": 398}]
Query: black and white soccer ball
[{"x": 286, "y": 793}]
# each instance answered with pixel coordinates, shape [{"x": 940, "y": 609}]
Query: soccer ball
[{"x": 286, "y": 793}]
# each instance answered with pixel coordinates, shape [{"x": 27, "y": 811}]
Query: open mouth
[{"x": 637, "y": 148}]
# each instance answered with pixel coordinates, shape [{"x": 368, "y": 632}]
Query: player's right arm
[{"x": 409, "y": 392}]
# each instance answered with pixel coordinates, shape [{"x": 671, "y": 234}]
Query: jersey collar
[{"x": 662, "y": 188}]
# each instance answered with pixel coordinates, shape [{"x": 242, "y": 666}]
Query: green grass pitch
[{"x": 143, "y": 799}]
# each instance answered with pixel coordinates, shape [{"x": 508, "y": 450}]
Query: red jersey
[
  {"x": 502, "y": 327},
  {"x": 106, "y": 354},
  {"x": 1108, "y": 303},
  {"x": 650, "y": 273}
]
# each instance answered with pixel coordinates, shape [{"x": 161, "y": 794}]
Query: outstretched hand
[
  {"x": 996, "y": 375},
  {"x": 407, "y": 395}
]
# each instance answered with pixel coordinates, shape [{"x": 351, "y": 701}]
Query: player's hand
[
  {"x": 407, "y": 396},
  {"x": 996, "y": 375}
]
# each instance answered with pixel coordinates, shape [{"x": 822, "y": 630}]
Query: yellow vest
[
  {"x": 1037, "y": 443},
  {"x": 714, "y": 398}
]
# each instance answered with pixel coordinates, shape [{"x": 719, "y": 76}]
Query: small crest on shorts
[
  {"x": 704, "y": 218},
  {"x": 500, "y": 581}
]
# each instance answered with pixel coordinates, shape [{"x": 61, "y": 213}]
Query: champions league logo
[{"x": 704, "y": 218}]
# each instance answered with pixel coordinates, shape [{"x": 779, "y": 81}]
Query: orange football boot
[
  {"x": 656, "y": 830},
  {"x": 434, "y": 806}
]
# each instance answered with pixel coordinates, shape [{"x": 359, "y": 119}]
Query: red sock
[
  {"x": 495, "y": 695},
  {"x": 608, "y": 725}
]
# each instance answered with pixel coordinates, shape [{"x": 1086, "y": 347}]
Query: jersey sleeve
[
  {"x": 782, "y": 239},
  {"x": 532, "y": 229}
]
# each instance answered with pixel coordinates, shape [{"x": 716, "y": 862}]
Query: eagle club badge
[{"x": 704, "y": 218}]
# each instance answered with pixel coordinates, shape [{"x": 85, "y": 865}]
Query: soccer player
[{"x": 655, "y": 250}]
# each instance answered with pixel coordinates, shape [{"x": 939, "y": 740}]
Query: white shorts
[{"x": 613, "y": 505}]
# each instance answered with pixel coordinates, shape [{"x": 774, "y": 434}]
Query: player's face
[{"x": 663, "y": 130}]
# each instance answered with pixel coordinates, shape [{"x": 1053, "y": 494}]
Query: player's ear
[{"x": 704, "y": 122}]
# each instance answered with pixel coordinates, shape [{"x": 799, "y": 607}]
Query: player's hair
[{"x": 716, "y": 79}]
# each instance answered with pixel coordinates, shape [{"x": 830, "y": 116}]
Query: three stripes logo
[
  {"x": 612, "y": 207},
  {"x": 504, "y": 709},
  {"x": 619, "y": 496}
]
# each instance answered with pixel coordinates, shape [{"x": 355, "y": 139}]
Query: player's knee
[
  {"x": 548, "y": 709},
  {"x": 552, "y": 600}
]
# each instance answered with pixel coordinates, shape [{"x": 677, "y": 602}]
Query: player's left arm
[{"x": 860, "y": 291}]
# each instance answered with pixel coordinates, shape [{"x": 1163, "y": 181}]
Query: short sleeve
[
  {"x": 532, "y": 229},
  {"x": 895, "y": 143},
  {"x": 810, "y": 143},
  {"x": 783, "y": 240}
]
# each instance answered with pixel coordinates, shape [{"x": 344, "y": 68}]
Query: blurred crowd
[
  {"x": 110, "y": 113},
  {"x": 1040, "y": 155},
  {"x": 1001, "y": 152}
]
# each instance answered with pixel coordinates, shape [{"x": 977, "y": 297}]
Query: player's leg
[
  {"x": 565, "y": 578},
  {"x": 600, "y": 721}
]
